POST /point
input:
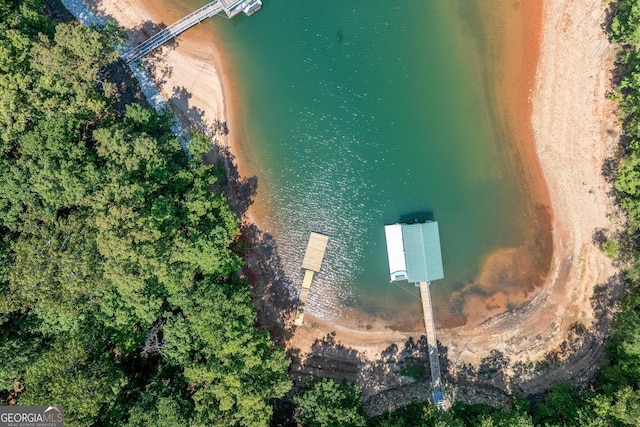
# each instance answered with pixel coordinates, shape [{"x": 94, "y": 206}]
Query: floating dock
[{"x": 311, "y": 263}]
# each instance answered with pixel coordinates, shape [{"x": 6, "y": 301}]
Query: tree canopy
[
  {"x": 324, "y": 403},
  {"x": 120, "y": 298}
]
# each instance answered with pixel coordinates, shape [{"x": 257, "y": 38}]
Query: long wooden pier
[
  {"x": 230, "y": 7},
  {"x": 432, "y": 345},
  {"x": 313, "y": 256}
]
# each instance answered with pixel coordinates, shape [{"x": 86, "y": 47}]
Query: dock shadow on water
[{"x": 416, "y": 216}]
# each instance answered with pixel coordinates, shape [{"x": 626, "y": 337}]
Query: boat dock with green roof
[{"x": 414, "y": 254}]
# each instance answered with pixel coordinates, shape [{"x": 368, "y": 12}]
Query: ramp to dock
[
  {"x": 173, "y": 30},
  {"x": 432, "y": 345},
  {"x": 313, "y": 256},
  {"x": 230, "y": 7}
]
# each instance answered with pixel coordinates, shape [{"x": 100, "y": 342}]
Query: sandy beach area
[
  {"x": 188, "y": 70},
  {"x": 571, "y": 123}
]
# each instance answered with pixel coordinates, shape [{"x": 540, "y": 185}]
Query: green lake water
[{"x": 356, "y": 113}]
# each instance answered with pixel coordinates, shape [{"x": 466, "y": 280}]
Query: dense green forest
[{"x": 120, "y": 298}]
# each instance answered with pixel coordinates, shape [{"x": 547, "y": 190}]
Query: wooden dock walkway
[
  {"x": 313, "y": 256},
  {"x": 432, "y": 345}
]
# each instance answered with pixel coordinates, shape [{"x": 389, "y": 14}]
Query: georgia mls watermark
[{"x": 31, "y": 416}]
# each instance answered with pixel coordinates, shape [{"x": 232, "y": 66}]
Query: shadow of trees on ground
[
  {"x": 55, "y": 12},
  {"x": 271, "y": 289},
  {"x": 391, "y": 381},
  {"x": 127, "y": 88},
  {"x": 180, "y": 102},
  {"x": 158, "y": 68},
  {"x": 327, "y": 358},
  {"x": 577, "y": 360},
  {"x": 397, "y": 378}
]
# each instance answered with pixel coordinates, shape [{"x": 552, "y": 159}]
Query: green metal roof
[{"x": 422, "y": 252}]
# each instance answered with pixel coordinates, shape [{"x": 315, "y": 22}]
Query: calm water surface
[{"x": 357, "y": 113}]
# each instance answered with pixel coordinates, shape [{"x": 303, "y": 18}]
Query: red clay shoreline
[{"x": 516, "y": 35}]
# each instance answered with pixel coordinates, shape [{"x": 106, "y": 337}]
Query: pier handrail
[
  {"x": 173, "y": 30},
  {"x": 432, "y": 345}
]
